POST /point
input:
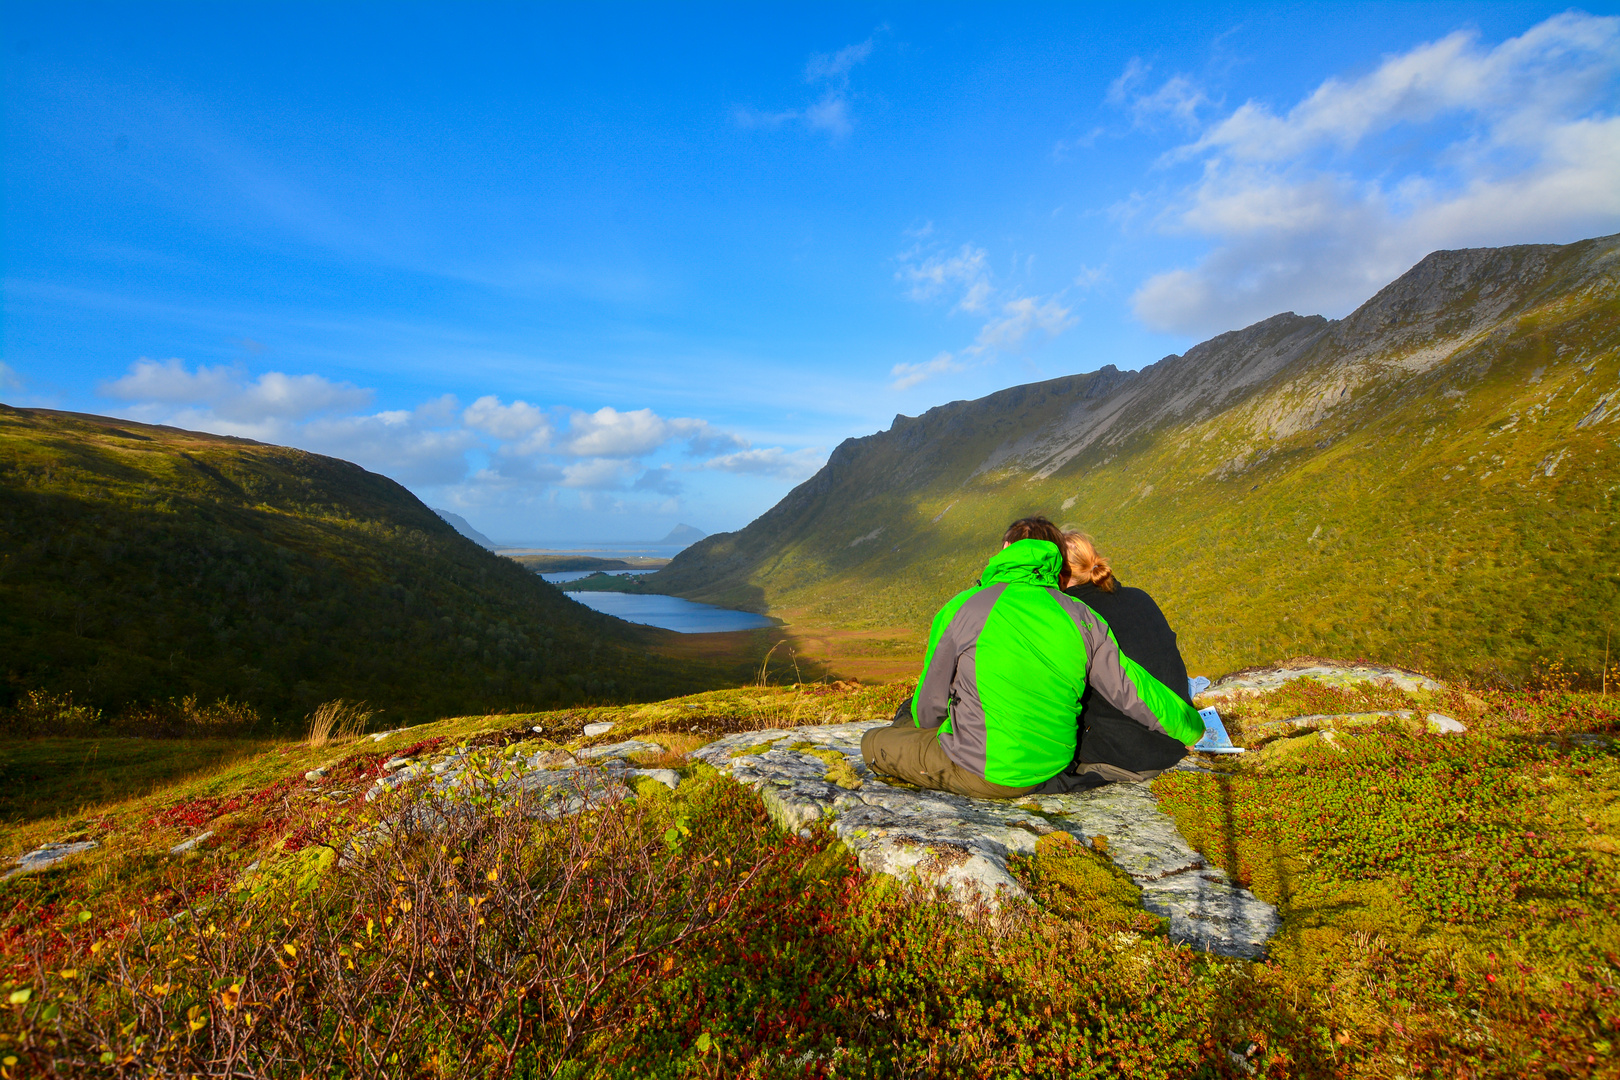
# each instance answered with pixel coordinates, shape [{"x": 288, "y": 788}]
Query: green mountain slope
[
  {"x": 1431, "y": 481},
  {"x": 139, "y": 564}
]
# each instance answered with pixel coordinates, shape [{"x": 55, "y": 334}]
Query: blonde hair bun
[{"x": 1085, "y": 565}]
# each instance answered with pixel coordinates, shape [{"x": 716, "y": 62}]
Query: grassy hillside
[
  {"x": 1431, "y": 481},
  {"x": 1448, "y": 910},
  {"x": 140, "y": 565}
]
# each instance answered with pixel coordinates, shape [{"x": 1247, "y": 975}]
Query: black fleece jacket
[{"x": 1106, "y": 734}]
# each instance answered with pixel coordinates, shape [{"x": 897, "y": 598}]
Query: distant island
[
  {"x": 605, "y": 582},
  {"x": 682, "y": 534}
]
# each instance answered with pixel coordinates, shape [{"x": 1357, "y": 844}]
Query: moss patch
[
  {"x": 1072, "y": 881},
  {"x": 839, "y": 770}
]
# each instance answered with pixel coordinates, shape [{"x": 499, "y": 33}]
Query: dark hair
[{"x": 1038, "y": 528}]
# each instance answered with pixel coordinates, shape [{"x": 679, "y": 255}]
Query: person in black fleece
[{"x": 1114, "y": 747}]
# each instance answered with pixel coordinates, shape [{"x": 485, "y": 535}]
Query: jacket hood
[{"x": 1025, "y": 562}]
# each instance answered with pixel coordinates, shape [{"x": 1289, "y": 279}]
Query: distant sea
[{"x": 599, "y": 550}]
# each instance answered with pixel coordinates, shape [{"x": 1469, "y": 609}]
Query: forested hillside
[
  {"x": 1431, "y": 480},
  {"x": 140, "y": 564}
]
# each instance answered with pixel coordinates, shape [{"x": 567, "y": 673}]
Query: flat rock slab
[
  {"x": 963, "y": 844},
  {"x": 1263, "y": 679},
  {"x": 49, "y": 855}
]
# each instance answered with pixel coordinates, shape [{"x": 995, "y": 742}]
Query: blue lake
[{"x": 670, "y": 612}]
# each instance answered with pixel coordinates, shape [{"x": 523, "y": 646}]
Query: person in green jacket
[{"x": 993, "y": 716}]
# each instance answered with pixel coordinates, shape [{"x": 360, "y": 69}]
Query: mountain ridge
[
  {"x": 464, "y": 527},
  {"x": 143, "y": 564},
  {"x": 1482, "y": 350}
]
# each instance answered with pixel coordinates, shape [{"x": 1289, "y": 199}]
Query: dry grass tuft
[
  {"x": 335, "y": 721},
  {"x": 676, "y": 748}
]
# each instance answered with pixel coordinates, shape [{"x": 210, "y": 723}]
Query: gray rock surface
[
  {"x": 49, "y": 855},
  {"x": 1435, "y": 723},
  {"x": 1262, "y": 679},
  {"x": 1441, "y": 724},
  {"x": 186, "y": 845},
  {"x": 618, "y": 750},
  {"x": 668, "y": 777},
  {"x": 570, "y": 780},
  {"x": 963, "y": 844}
]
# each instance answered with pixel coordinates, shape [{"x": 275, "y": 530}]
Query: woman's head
[
  {"x": 1038, "y": 528},
  {"x": 1085, "y": 566}
]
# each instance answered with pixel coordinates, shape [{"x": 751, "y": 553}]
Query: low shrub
[
  {"x": 43, "y": 715},
  {"x": 463, "y": 936}
]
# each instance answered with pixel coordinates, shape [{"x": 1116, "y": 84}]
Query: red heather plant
[{"x": 466, "y": 937}]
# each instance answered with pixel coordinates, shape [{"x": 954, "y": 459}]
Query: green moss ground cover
[{"x": 1448, "y": 911}]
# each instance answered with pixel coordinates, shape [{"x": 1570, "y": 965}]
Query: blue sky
[{"x": 579, "y": 273}]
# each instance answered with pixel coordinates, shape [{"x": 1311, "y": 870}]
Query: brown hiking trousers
[{"x": 913, "y": 754}]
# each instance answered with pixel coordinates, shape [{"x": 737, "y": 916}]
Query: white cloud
[
  {"x": 1557, "y": 67},
  {"x": 963, "y": 277},
  {"x": 9, "y": 379},
  {"x": 1019, "y": 319},
  {"x": 831, "y": 113},
  {"x": 1178, "y": 97},
  {"x": 597, "y": 473},
  {"x": 753, "y": 118},
  {"x": 272, "y": 397},
  {"x": 1315, "y": 208},
  {"x": 519, "y": 423},
  {"x": 489, "y": 456},
  {"x": 836, "y": 66},
  {"x": 906, "y": 376},
  {"x": 402, "y": 444},
  {"x": 771, "y": 461},
  {"x": 1090, "y": 276},
  {"x": 610, "y": 433},
  {"x": 965, "y": 274}
]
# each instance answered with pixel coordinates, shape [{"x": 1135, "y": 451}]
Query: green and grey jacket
[{"x": 1007, "y": 663}]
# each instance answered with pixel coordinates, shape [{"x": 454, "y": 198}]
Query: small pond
[{"x": 671, "y": 612}]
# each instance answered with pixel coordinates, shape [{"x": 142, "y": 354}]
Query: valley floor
[{"x": 1448, "y": 903}]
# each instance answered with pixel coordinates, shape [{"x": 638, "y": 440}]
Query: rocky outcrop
[
  {"x": 810, "y": 775},
  {"x": 1329, "y": 673}
]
